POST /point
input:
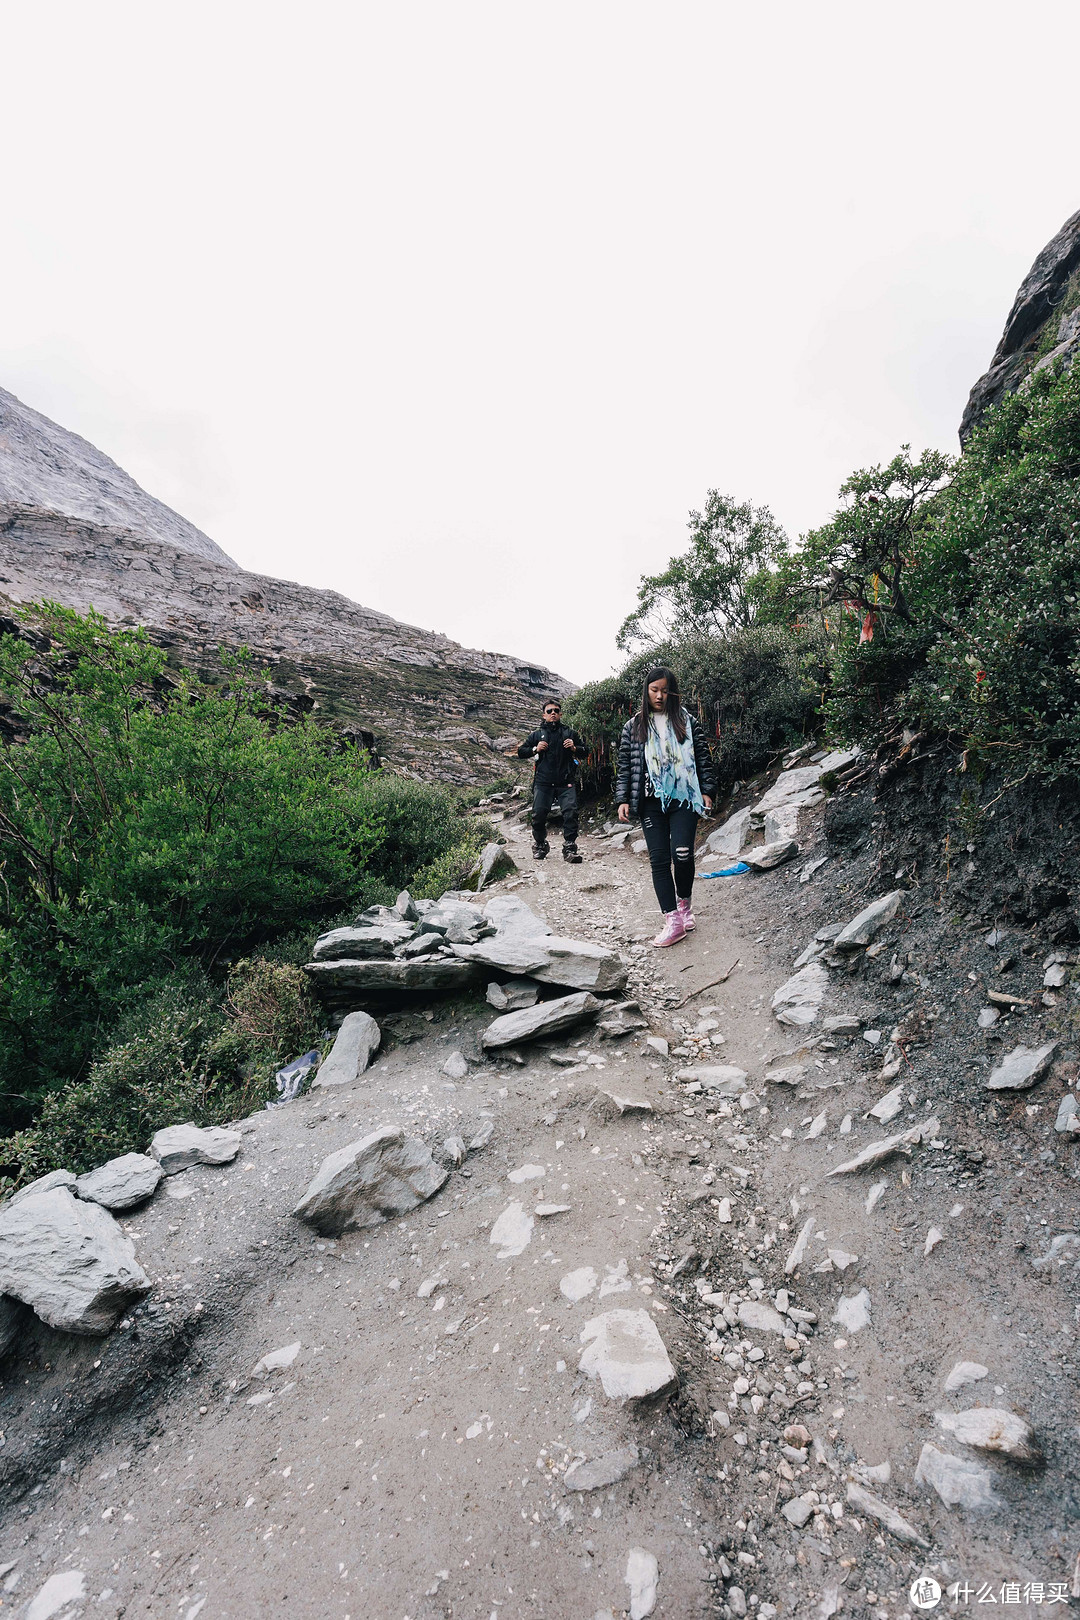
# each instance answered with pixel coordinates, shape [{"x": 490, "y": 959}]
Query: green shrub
[{"x": 413, "y": 824}]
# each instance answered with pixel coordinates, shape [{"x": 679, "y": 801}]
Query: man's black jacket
[{"x": 557, "y": 765}]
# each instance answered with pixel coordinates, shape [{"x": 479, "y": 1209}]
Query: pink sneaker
[
  {"x": 689, "y": 920},
  {"x": 673, "y": 930}
]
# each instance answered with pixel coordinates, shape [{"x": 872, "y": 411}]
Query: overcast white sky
[{"x": 459, "y": 306}]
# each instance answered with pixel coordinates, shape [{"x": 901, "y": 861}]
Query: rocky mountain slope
[
  {"x": 1043, "y": 324},
  {"x": 76, "y": 529},
  {"x": 753, "y": 1302}
]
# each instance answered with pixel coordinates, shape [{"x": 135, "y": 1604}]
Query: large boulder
[
  {"x": 384, "y": 1174},
  {"x": 729, "y": 838},
  {"x": 546, "y": 1018},
  {"x": 121, "y": 1183},
  {"x": 511, "y": 917},
  {"x": 377, "y": 939},
  {"x": 69, "y": 1261},
  {"x": 343, "y": 984},
  {"x": 55, "y": 1178},
  {"x": 351, "y": 1054},
  {"x": 178, "y": 1147}
]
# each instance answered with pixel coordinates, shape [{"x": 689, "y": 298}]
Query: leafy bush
[{"x": 412, "y": 824}]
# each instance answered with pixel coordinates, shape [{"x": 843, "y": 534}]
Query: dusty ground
[{"x": 408, "y": 1464}]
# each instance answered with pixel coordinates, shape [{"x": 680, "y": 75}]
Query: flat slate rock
[
  {"x": 357, "y": 1042},
  {"x": 572, "y": 963},
  {"x": 342, "y": 983},
  {"x": 546, "y": 1018},
  {"x": 512, "y": 917},
  {"x": 1022, "y": 1067},
  {"x": 958, "y": 1481},
  {"x": 625, "y": 1351},
  {"x": 69, "y": 1261},
  {"x": 178, "y": 1147},
  {"x": 766, "y": 856},
  {"x": 513, "y": 994},
  {"x": 121, "y": 1183},
  {"x": 354, "y": 944},
  {"x": 365, "y": 1183}
]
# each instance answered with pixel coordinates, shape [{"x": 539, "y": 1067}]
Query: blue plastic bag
[
  {"x": 291, "y": 1079},
  {"x": 729, "y": 871}
]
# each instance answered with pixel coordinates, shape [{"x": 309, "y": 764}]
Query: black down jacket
[
  {"x": 631, "y": 776},
  {"x": 557, "y": 764}
]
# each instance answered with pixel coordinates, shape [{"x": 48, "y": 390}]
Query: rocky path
[{"x": 407, "y": 1422}]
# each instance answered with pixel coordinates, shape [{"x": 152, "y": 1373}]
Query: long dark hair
[{"x": 674, "y": 704}]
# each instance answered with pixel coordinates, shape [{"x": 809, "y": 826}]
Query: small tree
[
  {"x": 714, "y": 587},
  {"x": 860, "y": 558}
]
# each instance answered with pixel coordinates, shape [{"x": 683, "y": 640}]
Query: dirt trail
[{"x": 409, "y": 1462}]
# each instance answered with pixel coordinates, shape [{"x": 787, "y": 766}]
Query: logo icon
[{"x": 925, "y": 1593}]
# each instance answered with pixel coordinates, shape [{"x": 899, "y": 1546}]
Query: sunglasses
[{"x": 553, "y": 711}]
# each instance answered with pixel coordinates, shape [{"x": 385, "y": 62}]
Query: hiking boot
[
  {"x": 673, "y": 930},
  {"x": 689, "y": 920},
  {"x": 571, "y": 853},
  {"x": 540, "y": 850}
]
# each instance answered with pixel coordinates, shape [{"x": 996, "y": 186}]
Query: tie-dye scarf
[{"x": 672, "y": 767}]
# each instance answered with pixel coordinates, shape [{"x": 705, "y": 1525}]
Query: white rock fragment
[
  {"x": 817, "y": 1125},
  {"x": 965, "y": 1372},
  {"x": 526, "y": 1172},
  {"x": 988, "y": 1016},
  {"x": 625, "y": 1351},
  {"x": 845, "y": 1125},
  {"x": 642, "y": 1573},
  {"x": 616, "y": 1280},
  {"x": 178, "y": 1147},
  {"x": 875, "y": 1195},
  {"x": 958, "y": 1482},
  {"x": 658, "y": 1044},
  {"x": 889, "y": 1106},
  {"x": 58, "y": 1593},
  {"x": 351, "y": 1055},
  {"x": 1022, "y": 1068},
  {"x": 626, "y": 1102},
  {"x": 766, "y": 856},
  {"x": 722, "y": 1078},
  {"x": 454, "y": 1151},
  {"x": 1055, "y": 975},
  {"x": 576, "y": 1284},
  {"x": 875, "y": 1508},
  {"x": 544, "y": 1210},
  {"x": 853, "y": 1311},
  {"x": 756, "y": 1314},
  {"x": 798, "y": 1252},
  {"x": 799, "y": 998},
  {"x": 594, "y": 1473},
  {"x": 864, "y": 927},
  {"x": 933, "y": 1238},
  {"x": 790, "y": 1076},
  {"x": 798, "y": 1510},
  {"x": 840, "y": 1259},
  {"x": 723, "y": 1214},
  {"x": 69, "y": 1261},
  {"x": 365, "y": 1183},
  {"x": 121, "y": 1183},
  {"x": 455, "y": 1067},
  {"x": 511, "y": 1232},
  {"x": 1068, "y": 1115},
  {"x": 990, "y": 1428},
  {"x": 276, "y": 1360},
  {"x": 877, "y": 1152}
]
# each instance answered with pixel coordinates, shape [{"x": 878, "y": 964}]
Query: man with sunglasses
[{"x": 554, "y": 748}]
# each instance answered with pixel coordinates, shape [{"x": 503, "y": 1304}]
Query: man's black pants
[{"x": 544, "y": 795}]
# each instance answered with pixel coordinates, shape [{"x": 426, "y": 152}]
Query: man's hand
[
  {"x": 540, "y": 747},
  {"x": 569, "y": 743},
  {"x": 624, "y": 812}
]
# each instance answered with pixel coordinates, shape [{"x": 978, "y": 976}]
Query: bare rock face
[
  {"x": 69, "y": 1261},
  {"x": 1043, "y": 325},
  {"x": 384, "y": 1174},
  {"x": 74, "y": 528}
]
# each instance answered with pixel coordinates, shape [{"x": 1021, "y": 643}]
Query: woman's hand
[
  {"x": 624, "y": 812},
  {"x": 707, "y": 802}
]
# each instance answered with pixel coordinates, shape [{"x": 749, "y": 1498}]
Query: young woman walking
[{"x": 666, "y": 777}]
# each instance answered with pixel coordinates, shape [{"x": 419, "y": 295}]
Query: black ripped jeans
[{"x": 669, "y": 835}]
